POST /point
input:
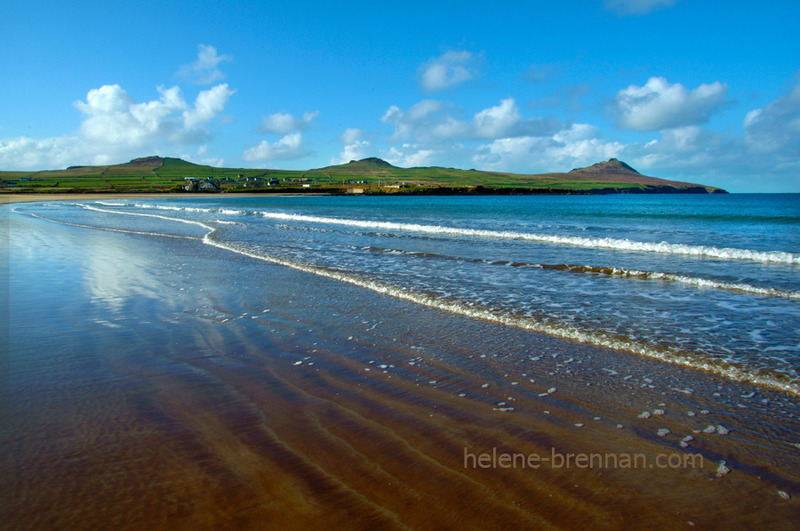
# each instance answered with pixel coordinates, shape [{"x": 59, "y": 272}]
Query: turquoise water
[{"x": 710, "y": 282}]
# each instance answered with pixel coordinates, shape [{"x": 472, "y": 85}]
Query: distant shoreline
[
  {"x": 24, "y": 197},
  {"x": 35, "y": 198}
]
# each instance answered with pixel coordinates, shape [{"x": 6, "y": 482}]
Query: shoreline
[
  {"x": 300, "y": 401},
  {"x": 36, "y": 198}
]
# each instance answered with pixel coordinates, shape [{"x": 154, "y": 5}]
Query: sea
[{"x": 707, "y": 282}]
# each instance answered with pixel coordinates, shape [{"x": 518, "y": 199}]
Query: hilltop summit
[
  {"x": 371, "y": 161},
  {"x": 368, "y": 165},
  {"x": 154, "y": 161},
  {"x": 611, "y": 166}
]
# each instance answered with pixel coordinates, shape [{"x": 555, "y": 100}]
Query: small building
[
  {"x": 209, "y": 185},
  {"x": 201, "y": 185}
]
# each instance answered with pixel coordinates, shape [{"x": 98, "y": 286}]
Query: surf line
[
  {"x": 699, "y": 251},
  {"x": 727, "y": 371}
]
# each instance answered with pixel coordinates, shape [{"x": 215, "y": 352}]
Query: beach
[{"x": 286, "y": 371}]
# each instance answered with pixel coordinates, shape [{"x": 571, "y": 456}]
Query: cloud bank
[
  {"x": 115, "y": 127},
  {"x": 432, "y": 121}
]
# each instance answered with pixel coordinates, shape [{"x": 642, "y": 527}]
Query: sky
[{"x": 696, "y": 90}]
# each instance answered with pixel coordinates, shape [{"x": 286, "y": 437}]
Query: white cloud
[
  {"x": 115, "y": 127},
  {"x": 411, "y": 155},
  {"x": 113, "y": 118},
  {"x": 637, "y": 7},
  {"x": 425, "y": 121},
  {"x": 431, "y": 121},
  {"x": 450, "y": 68},
  {"x": 579, "y": 145},
  {"x": 282, "y": 123},
  {"x": 47, "y": 153},
  {"x": 662, "y": 105},
  {"x": 355, "y": 146},
  {"x": 290, "y": 146},
  {"x": 350, "y": 136},
  {"x": 205, "y": 69},
  {"x": 775, "y": 128},
  {"x": 208, "y": 105},
  {"x": 498, "y": 121}
]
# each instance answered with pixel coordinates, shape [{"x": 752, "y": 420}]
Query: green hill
[{"x": 370, "y": 175}]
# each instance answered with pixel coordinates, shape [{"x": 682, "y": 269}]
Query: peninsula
[{"x": 367, "y": 176}]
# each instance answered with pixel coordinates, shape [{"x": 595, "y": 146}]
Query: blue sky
[{"x": 688, "y": 89}]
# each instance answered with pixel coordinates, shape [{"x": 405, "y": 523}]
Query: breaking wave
[
  {"x": 617, "y": 244},
  {"x": 700, "y": 251}
]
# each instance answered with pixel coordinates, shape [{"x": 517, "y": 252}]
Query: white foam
[
  {"x": 685, "y": 279},
  {"x": 700, "y": 251}
]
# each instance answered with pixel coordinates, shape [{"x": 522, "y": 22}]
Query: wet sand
[{"x": 156, "y": 383}]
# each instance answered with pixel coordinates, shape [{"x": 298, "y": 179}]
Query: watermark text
[{"x": 556, "y": 460}]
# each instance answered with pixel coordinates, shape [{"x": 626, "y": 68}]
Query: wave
[
  {"x": 618, "y": 272},
  {"x": 699, "y": 251},
  {"x": 617, "y": 244},
  {"x": 722, "y": 368},
  {"x": 683, "y": 279}
]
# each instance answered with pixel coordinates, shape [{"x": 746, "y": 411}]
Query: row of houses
[{"x": 194, "y": 184}]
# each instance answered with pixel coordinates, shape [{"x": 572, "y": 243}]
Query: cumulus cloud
[
  {"x": 205, "y": 69},
  {"x": 577, "y": 145},
  {"x": 282, "y": 123},
  {"x": 290, "y": 146},
  {"x": 432, "y": 121},
  {"x": 113, "y": 118},
  {"x": 685, "y": 148},
  {"x": 427, "y": 121},
  {"x": 115, "y": 127},
  {"x": 26, "y": 153},
  {"x": 775, "y": 128},
  {"x": 411, "y": 155},
  {"x": 355, "y": 147},
  {"x": 208, "y": 105},
  {"x": 450, "y": 68},
  {"x": 637, "y": 7},
  {"x": 663, "y": 105}
]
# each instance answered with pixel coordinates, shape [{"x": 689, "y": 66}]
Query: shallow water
[
  {"x": 252, "y": 379},
  {"x": 710, "y": 282}
]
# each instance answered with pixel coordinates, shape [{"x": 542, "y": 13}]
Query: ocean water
[{"x": 708, "y": 282}]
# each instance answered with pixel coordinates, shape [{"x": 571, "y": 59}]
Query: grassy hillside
[{"x": 372, "y": 175}]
